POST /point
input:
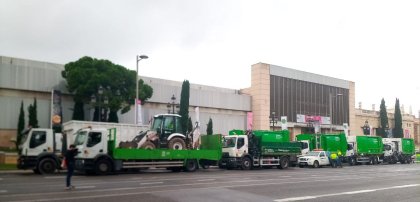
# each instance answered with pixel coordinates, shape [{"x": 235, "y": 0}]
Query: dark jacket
[{"x": 70, "y": 154}]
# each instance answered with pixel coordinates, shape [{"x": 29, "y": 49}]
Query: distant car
[{"x": 315, "y": 159}]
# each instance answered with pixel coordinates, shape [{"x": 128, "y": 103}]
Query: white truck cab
[{"x": 315, "y": 159}]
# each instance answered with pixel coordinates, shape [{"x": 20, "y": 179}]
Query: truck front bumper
[
  {"x": 27, "y": 162},
  {"x": 229, "y": 162},
  {"x": 84, "y": 164}
]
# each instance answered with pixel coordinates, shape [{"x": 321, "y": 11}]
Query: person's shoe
[
  {"x": 73, "y": 187},
  {"x": 68, "y": 188}
]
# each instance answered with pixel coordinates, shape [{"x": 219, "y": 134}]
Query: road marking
[
  {"x": 203, "y": 180},
  {"x": 344, "y": 193},
  {"x": 55, "y": 177},
  {"x": 149, "y": 183},
  {"x": 85, "y": 187},
  {"x": 3, "y": 191},
  {"x": 1, "y": 178}
]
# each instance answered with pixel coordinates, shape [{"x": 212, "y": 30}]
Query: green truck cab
[{"x": 253, "y": 149}]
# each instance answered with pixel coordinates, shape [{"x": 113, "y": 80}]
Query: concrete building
[
  {"x": 306, "y": 99},
  {"x": 23, "y": 80}
]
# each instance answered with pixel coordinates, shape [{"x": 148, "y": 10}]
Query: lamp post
[
  {"x": 138, "y": 58},
  {"x": 172, "y": 104},
  {"x": 99, "y": 104},
  {"x": 330, "y": 98}
]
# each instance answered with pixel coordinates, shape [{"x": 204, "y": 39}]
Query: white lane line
[
  {"x": 346, "y": 193},
  {"x": 85, "y": 187},
  {"x": 3, "y": 191},
  {"x": 204, "y": 180},
  {"x": 149, "y": 183},
  {"x": 55, "y": 177}
]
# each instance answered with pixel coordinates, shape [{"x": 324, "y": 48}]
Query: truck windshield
[
  {"x": 80, "y": 138},
  {"x": 229, "y": 142}
]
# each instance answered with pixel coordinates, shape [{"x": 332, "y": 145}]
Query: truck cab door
[
  {"x": 38, "y": 143},
  {"x": 96, "y": 144},
  {"x": 242, "y": 146},
  {"x": 304, "y": 146}
]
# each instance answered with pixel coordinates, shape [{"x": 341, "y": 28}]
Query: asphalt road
[{"x": 360, "y": 183}]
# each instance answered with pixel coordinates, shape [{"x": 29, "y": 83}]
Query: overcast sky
[{"x": 376, "y": 44}]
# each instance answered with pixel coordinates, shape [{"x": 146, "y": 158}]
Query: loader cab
[
  {"x": 235, "y": 145},
  {"x": 91, "y": 142},
  {"x": 169, "y": 131}
]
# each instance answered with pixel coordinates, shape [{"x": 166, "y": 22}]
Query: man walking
[{"x": 70, "y": 161}]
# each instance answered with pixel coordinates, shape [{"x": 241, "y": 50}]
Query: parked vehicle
[
  {"x": 259, "y": 149},
  {"x": 398, "y": 150},
  {"x": 41, "y": 149},
  {"x": 366, "y": 149},
  {"x": 101, "y": 151},
  {"x": 314, "y": 159}
]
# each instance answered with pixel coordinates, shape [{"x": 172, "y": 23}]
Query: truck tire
[
  {"x": 246, "y": 164},
  {"x": 47, "y": 166},
  {"x": 36, "y": 171},
  {"x": 316, "y": 164},
  {"x": 148, "y": 145},
  {"x": 103, "y": 167},
  {"x": 204, "y": 164},
  {"x": 351, "y": 161},
  {"x": 284, "y": 163},
  {"x": 176, "y": 143},
  {"x": 191, "y": 165}
]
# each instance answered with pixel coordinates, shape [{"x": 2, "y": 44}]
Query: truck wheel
[
  {"x": 246, "y": 164},
  {"x": 351, "y": 161},
  {"x": 47, "y": 166},
  {"x": 103, "y": 167},
  {"x": 191, "y": 165},
  {"x": 284, "y": 163},
  {"x": 176, "y": 143},
  {"x": 316, "y": 164},
  {"x": 36, "y": 171},
  {"x": 204, "y": 164},
  {"x": 148, "y": 145}
]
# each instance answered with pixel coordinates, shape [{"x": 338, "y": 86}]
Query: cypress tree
[
  {"x": 21, "y": 125},
  {"x": 190, "y": 125},
  {"x": 184, "y": 105},
  {"x": 383, "y": 115},
  {"x": 33, "y": 121},
  {"x": 398, "y": 131},
  {"x": 210, "y": 127}
]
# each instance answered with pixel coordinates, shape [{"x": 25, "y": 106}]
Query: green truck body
[
  {"x": 275, "y": 143},
  {"x": 210, "y": 149},
  {"x": 408, "y": 147},
  {"x": 369, "y": 145},
  {"x": 326, "y": 142}
]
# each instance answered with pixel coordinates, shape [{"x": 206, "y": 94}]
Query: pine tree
[
  {"x": 210, "y": 127},
  {"x": 78, "y": 112},
  {"x": 184, "y": 105},
  {"x": 21, "y": 125},
  {"x": 383, "y": 119},
  {"x": 397, "y": 131}
]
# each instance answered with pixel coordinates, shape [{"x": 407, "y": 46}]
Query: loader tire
[
  {"x": 148, "y": 145},
  {"x": 176, "y": 143}
]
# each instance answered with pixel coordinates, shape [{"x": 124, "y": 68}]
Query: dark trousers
[{"x": 70, "y": 171}]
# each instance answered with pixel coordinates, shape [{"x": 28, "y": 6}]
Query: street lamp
[
  {"x": 99, "y": 104},
  {"x": 330, "y": 98},
  {"x": 138, "y": 58},
  {"x": 172, "y": 104}
]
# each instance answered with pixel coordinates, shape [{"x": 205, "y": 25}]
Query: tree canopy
[
  {"x": 86, "y": 75},
  {"x": 383, "y": 115},
  {"x": 184, "y": 105}
]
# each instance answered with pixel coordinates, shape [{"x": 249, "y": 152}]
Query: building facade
[{"x": 309, "y": 101}]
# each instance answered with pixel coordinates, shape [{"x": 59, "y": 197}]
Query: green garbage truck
[
  {"x": 398, "y": 150},
  {"x": 327, "y": 142},
  {"x": 254, "y": 149},
  {"x": 103, "y": 151},
  {"x": 365, "y": 149}
]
